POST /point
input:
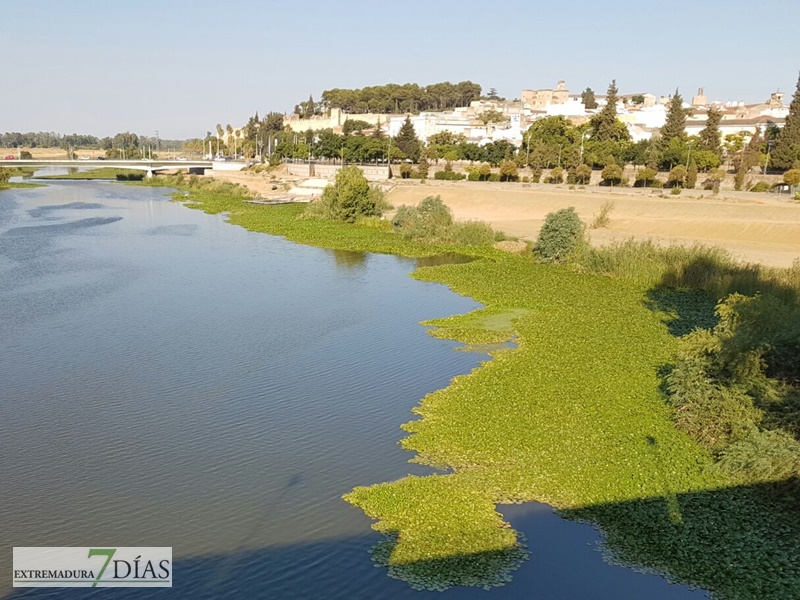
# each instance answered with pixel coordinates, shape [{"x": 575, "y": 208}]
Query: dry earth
[{"x": 753, "y": 227}]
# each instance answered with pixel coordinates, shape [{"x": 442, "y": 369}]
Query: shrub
[
  {"x": 494, "y": 177},
  {"x": 677, "y": 176},
  {"x": 349, "y": 198},
  {"x": 612, "y": 175},
  {"x": 426, "y": 221},
  {"x": 25, "y": 155},
  {"x": 471, "y": 233},
  {"x": 763, "y": 456},
  {"x": 645, "y": 177},
  {"x": 405, "y": 170},
  {"x": 130, "y": 176},
  {"x": 691, "y": 176},
  {"x": 676, "y": 191},
  {"x": 760, "y": 186},
  {"x": 556, "y": 176},
  {"x": 449, "y": 176},
  {"x": 474, "y": 176},
  {"x": 422, "y": 168},
  {"x": 508, "y": 171},
  {"x": 583, "y": 174},
  {"x": 602, "y": 218},
  {"x": 792, "y": 177},
  {"x": 536, "y": 175},
  {"x": 485, "y": 172},
  {"x": 561, "y": 234}
]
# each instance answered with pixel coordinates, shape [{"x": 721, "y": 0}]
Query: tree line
[{"x": 393, "y": 98}]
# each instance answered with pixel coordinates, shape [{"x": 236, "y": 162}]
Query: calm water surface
[{"x": 167, "y": 379}]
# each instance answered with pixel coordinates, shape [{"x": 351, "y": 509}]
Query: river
[{"x": 167, "y": 379}]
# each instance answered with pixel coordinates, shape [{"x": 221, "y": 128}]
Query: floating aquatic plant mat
[{"x": 573, "y": 416}]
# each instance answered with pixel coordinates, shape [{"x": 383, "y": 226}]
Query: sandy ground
[{"x": 753, "y": 227}]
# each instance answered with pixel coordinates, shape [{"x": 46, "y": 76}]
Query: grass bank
[
  {"x": 20, "y": 185},
  {"x": 573, "y": 416}
]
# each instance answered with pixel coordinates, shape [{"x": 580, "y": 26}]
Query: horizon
[{"x": 187, "y": 66}]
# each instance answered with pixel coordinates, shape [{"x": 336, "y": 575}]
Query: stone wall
[{"x": 328, "y": 171}]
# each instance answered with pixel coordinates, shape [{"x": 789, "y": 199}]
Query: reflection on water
[
  {"x": 349, "y": 259},
  {"x": 170, "y": 380}
]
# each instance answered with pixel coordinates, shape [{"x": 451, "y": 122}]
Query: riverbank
[
  {"x": 574, "y": 416},
  {"x": 760, "y": 228}
]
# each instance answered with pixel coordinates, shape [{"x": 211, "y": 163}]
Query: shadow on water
[
  {"x": 43, "y": 210},
  {"x": 61, "y": 228},
  {"x": 739, "y": 542}
]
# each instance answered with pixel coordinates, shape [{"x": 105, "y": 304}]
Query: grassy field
[{"x": 573, "y": 416}]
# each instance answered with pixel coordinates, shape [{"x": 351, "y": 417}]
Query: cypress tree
[
  {"x": 407, "y": 140},
  {"x": 710, "y": 137},
  {"x": 787, "y": 151},
  {"x": 691, "y": 176},
  {"x": 604, "y": 123},
  {"x": 675, "y": 126}
]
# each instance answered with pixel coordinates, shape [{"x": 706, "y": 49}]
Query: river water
[{"x": 167, "y": 379}]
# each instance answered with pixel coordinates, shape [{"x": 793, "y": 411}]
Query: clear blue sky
[{"x": 181, "y": 66}]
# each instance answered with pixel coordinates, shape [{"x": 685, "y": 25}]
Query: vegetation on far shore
[{"x": 588, "y": 412}]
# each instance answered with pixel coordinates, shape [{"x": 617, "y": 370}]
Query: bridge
[{"x": 148, "y": 166}]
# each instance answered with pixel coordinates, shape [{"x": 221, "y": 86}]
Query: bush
[
  {"x": 471, "y": 233},
  {"x": 405, "y": 170},
  {"x": 508, "y": 171},
  {"x": 349, "y": 198},
  {"x": 130, "y": 176},
  {"x": 763, "y": 456},
  {"x": 494, "y": 177},
  {"x": 536, "y": 175},
  {"x": 603, "y": 217},
  {"x": 426, "y": 221},
  {"x": 556, "y": 176},
  {"x": 676, "y": 191},
  {"x": 583, "y": 174},
  {"x": 612, "y": 175},
  {"x": 677, "y": 176},
  {"x": 645, "y": 177},
  {"x": 474, "y": 176},
  {"x": 760, "y": 186},
  {"x": 449, "y": 176},
  {"x": 561, "y": 235},
  {"x": 25, "y": 155},
  {"x": 792, "y": 177}
]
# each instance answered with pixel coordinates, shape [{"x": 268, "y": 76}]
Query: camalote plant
[{"x": 561, "y": 234}]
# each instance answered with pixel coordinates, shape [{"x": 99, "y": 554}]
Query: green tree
[
  {"x": 583, "y": 174},
  {"x": 407, "y": 140},
  {"x": 644, "y": 177},
  {"x": 605, "y": 126},
  {"x": 786, "y": 154},
  {"x": 675, "y": 125},
  {"x": 3, "y": 177},
  {"x": 710, "y": 136},
  {"x": 508, "y": 171},
  {"x": 612, "y": 174},
  {"x": 349, "y": 198},
  {"x": 588, "y": 99}
]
